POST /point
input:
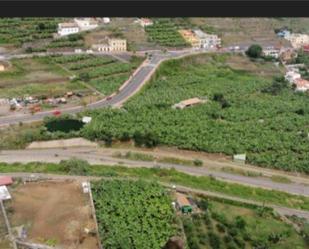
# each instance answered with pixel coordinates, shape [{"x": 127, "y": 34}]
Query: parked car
[
  {"x": 109, "y": 98},
  {"x": 57, "y": 113}
]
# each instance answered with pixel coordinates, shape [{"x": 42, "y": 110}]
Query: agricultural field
[
  {"x": 133, "y": 214},
  {"x": 165, "y": 33},
  {"x": 246, "y": 112},
  {"x": 103, "y": 73},
  {"x": 223, "y": 225},
  {"x": 32, "y": 76},
  {"x": 16, "y": 31}
]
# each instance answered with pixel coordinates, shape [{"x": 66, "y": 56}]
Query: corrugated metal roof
[{"x": 5, "y": 180}]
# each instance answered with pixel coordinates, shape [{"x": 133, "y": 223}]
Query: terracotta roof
[
  {"x": 182, "y": 200},
  {"x": 302, "y": 83},
  {"x": 5, "y": 180}
]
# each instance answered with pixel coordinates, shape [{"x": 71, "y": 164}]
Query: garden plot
[{"x": 56, "y": 213}]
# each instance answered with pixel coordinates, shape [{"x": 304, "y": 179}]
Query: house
[
  {"x": 292, "y": 76},
  {"x": 5, "y": 180},
  {"x": 3, "y": 66},
  {"x": 239, "y": 158},
  {"x": 188, "y": 102},
  {"x": 67, "y": 28},
  {"x": 301, "y": 85},
  {"x": 298, "y": 40},
  {"x": 271, "y": 52},
  {"x": 106, "y": 20},
  {"x": 207, "y": 40},
  {"x": 144, "y": 22},
  {"x": 183, "y": 203},
  {"x": 190, "y": 37},
  {"x": 86, "y": 23},
  {"x": 111, "y": 45}
]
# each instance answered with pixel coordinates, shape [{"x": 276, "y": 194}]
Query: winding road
[{"x": 129, "y": 88}]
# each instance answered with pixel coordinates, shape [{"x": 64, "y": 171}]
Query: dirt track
[{"x": 56, "y": 211}]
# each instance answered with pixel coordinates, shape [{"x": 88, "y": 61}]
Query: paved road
[
  {"x": 281, "y": 210},
  {"x": 141, "y": 75},
  {"x": 101, "y": 156}
]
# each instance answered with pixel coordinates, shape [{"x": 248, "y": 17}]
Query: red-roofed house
[
  {"x": 302, "y": 85},
  {"x": 5, "y": 180},
  {"x": 306, "y": 48}
]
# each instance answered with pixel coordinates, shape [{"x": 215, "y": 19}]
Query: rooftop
[
  {"x": 68, "y": 25},
  {"x": 5, "y": 180},
  {"x": 182, "y": 200}
]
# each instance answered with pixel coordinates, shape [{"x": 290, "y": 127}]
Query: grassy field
[
  {"x": 32, "y": 76},
  {"x": 232, "y": 225},
  {"x": 240, "y": 116},
  {"x": 169, "y": 176}
]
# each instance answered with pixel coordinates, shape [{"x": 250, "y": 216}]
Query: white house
[
  {"x": 207, "y": 40},
  {"x": 271, "y": 52},
  {"x": 292, "y": 76},
  {"x": 67, "y": 28},
  {"x": 106, "y": 20},
  {"x": 86, "y": 23}
]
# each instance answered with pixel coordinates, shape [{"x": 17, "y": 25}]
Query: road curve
[{"x": 141, "y": 75}]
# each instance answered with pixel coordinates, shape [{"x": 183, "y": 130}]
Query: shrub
[
  {"x": 220, "y": 228},
  {"x": 75, "y": 166},
  {"x": 214, "y": 240},
  {"x": 240, "y": 222},
  {"x": 198, "y": 162}
]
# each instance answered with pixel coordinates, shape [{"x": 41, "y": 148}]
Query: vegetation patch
[
  {"x": 133, "y": 214},
  {"x": 243, "y": 227},
  {"x": 240, "y": 116}
]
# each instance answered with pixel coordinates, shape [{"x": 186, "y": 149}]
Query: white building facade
[
  {"x": 86, "y": 23},
  {"x": 67, "y": 28}
]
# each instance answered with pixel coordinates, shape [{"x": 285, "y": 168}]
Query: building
[
  {"x": 188, "y": 102},
  {"x": 67, "y": 28},
  {"x": 190, "y": 37},
  {"x": 239, "y": 158},
  {"x": 111, "y": 45},
  {"x": 4, "y": 193},
  {"x": 301, "y": 85},
  {"x": 3, "y": 65},
  {"x": 86, "y": 23},
  {"x": 183, "y": 203},
  {"x": 86, "y": 120},
  {"x": 298, "y": 40},
  {"x": 144, "y": 22},
  {"x": 106, "y": 20},
  {"x": 271, "y": 52},
  {"x": 292, "y": 76},
  {"x": 5, "y": 180},
  {"x": 207, "y": 40},
  {"x": 284, "y": 33}
]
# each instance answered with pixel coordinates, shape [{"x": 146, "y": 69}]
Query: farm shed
[
  {"x": 5, "y": 180},
  {"x": 183, "y": 203},
  {"x": 188, "y": 102},
  {"x": 239, "y": 158}
]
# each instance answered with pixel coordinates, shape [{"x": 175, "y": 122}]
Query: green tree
[{"x": 254, "y": 51}]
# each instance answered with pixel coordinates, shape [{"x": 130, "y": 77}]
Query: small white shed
[{"x": 239, "y": 158}]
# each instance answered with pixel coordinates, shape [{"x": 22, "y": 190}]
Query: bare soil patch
[{"x": 54, "y": 210}]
